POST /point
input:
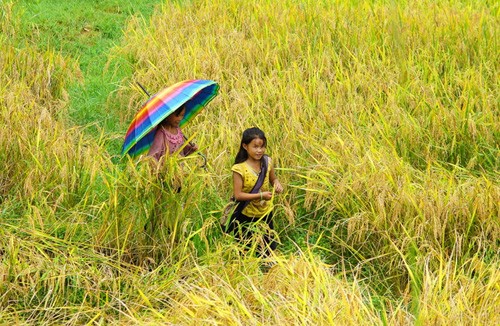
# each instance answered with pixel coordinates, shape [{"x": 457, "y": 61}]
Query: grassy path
[{"x": 85, "y": 31}]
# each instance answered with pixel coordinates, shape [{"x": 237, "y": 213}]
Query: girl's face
[
  {"x": 255, "y": 149},
  {"x": 174, "y": 120}
]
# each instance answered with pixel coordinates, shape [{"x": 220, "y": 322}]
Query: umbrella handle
[{"x": 204, "y": 160}]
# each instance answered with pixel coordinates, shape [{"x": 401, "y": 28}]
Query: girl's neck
[
  {"x": 249, "y": 159},
  {"x": 170, "y": 129},
  {"x": 254, "y": 163}
]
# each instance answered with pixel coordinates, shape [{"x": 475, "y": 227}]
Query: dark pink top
[{"x": 164, "y": 139}]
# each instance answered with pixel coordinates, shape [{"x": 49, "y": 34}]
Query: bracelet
[{"x": 260, "y": 193}]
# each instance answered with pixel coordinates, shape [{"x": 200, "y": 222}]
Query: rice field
[{"x": 383, "y": 120}]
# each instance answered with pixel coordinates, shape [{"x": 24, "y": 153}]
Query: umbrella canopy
[{"x": 195, "y": 94}]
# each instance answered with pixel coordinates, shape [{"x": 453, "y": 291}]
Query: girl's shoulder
[
  {"x": 239, "y": 165},
  {"x": 268, "y": 159},
  {"x": 239, "y": 168}
]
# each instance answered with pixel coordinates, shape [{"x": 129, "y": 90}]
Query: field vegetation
[{"x": 383, "y": 120}]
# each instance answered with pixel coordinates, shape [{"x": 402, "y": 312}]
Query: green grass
[{"x": 86, "y": 32}]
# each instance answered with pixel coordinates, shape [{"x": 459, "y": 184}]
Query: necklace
[
  {"x": 173, "y": 138},
  {"x": 254, "y": 172}
]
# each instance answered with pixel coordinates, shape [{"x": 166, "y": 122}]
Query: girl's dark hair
[
  {"x": 249, "y": 135},
  {"x": 178, "y": 111}
]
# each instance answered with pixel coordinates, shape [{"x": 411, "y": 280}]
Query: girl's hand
[
  {"x": 266, "y": 195},
  {"x": 277, "y": 186},
  {"x": 190, "y": 149}
]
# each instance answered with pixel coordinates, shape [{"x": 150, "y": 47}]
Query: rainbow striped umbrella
[{"x": 195, "y": 94}]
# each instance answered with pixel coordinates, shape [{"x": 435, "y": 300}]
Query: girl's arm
[
  {"x": 274, "y": 180},
  {"x": 189, "y": 149},
  {"x": 157, "y": 149},
  {"x": 239, "y": 195}
]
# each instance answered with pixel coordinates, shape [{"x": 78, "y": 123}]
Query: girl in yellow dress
[{"x": 249, "y": 163}]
